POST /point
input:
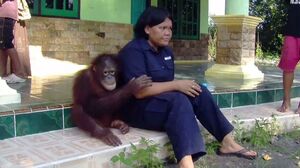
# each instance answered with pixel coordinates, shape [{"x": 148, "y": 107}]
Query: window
[
  {"x": 59, "y": 8},
  {"x": 185, "y": 15},
  {"x": 137, "y": 7}
]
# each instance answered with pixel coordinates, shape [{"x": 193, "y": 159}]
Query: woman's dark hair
[{"x": 152, "y": 16}]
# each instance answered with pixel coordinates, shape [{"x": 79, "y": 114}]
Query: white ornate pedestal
[{"x": 7, "y": 94}]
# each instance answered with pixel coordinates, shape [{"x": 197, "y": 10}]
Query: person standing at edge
[
  {"x": 290, "y": 54},
  {"x": 8, "y": 17},
  {"x": 21, "y": 37},
  {"x": 172, "y": 105}
]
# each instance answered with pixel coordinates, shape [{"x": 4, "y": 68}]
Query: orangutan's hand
[{"x": 121, "y": 125}]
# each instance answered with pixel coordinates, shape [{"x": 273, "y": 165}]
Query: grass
[
  {"x": 295, "y": 134},
  {"x": 142, "y": 156}
]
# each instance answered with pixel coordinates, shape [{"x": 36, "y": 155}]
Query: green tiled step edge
[
  {"x": 20, "y": 124},
  {"x": 12, "y": 125},
  {"x": 244, "y": 98}
]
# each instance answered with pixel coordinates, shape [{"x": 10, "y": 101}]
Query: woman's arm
[
  {"x": 135, "y": 63},
  {"x": 188, "y": 87}
]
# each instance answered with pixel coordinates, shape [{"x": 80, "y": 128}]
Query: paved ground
[{"x": 284, "y": 151}]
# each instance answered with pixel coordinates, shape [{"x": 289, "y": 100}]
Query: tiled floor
[
  {"x": 54, "y": 90},
  {"x": 47, "y": 101},
  {"x": 272, "y": 78},
  {"x": 72, "y": 148},
  {"x": 65, "y": 148},
  {"x": 38, "y": 91}
]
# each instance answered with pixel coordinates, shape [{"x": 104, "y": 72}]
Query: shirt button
[{"x": 163, "y": 67}]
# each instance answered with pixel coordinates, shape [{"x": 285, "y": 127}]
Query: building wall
[
  {"x": 104, "y": 27},
  {"x": 190, "y": 49},
  {"x": 76, "y": 40},
  {"x": 204, "y": 4},
  {"x": 79, "y": 41},
  {"x": 119, "y": 11},
  {"x": 116, "y": 11},
  {"x": 193, "y": 49}
]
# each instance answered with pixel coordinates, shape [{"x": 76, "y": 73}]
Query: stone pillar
[
  {"x": 237, "y": 7},
  {"x": 235, "y": 53},
  {"x": 7, "y": 94}
]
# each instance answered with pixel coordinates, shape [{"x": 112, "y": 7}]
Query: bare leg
[
  {"x": 298, "y": 109},
  {"x": 3, "y": 63},
  {"x": 228, "y": 145},
  {"x": 186, "y": 162},
  {"x": 288, "y": 78},
  {"x": 16, "y": 65}
]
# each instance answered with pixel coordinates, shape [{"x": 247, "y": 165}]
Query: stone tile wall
[
  {"x": 191, "y": 49},
  {"x": 76, "y": 40},
  {"x": 80, "y": 41},
  {"x": 236, "y": 44},
  {"x": 236, "y": 39}
]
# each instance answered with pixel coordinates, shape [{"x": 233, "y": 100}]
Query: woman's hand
[{"x": 188, "y": 87}]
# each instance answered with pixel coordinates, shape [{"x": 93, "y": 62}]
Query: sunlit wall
[{"x": 117, "y": 11}]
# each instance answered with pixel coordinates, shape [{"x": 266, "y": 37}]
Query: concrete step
[
  {"x": 248, "y": 114},
  {"x": 68, "y": 148},
  {"x": 72, "y": 148}
]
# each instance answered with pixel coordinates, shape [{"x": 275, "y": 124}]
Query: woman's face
[{"x": 161, "y": 34}]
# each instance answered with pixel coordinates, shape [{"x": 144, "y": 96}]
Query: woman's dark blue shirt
[{"x": 139, "y": 58}]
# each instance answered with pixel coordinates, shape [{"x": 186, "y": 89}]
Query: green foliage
[
  {"x": 239, "y": 132},
  {"x": 274, "y": 15},
  {"x": 293, "y": 134},
  {"x": 263, "y": 132},
  {"x": 259, "y": 52},
  {"x": 211, "y": 147},
  {"x": 144, "y": 157},
  {"x": 171, "y": 158},
  {"x": 268, "y": 55},
  {"x": 296, "y": 155},
  {"x": 212, "y": 41}
]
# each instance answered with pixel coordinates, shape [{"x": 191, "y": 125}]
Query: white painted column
[{"x": 7, "y": 94}]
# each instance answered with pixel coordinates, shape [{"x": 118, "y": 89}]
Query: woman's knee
[
  {"x": 180, "y": 105},
  {"x": 178, "y": 97}
]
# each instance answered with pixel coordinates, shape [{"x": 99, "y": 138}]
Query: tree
[{"x": 274, "y": 14}]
